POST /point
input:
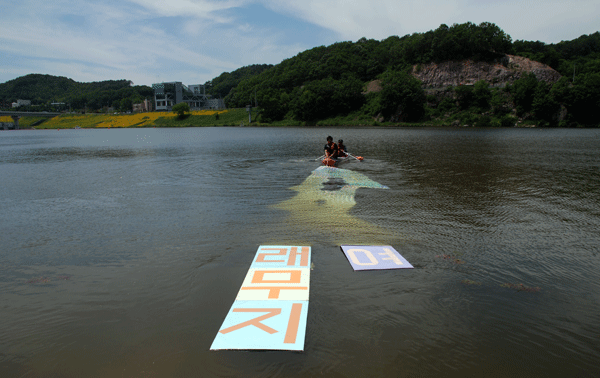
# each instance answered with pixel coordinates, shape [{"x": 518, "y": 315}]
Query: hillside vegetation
[
  {"x": 328, "y": 84},
  {"x": 370, "y": 82},
  {"x": 221, "y": 85},
  {"x": 43, "y": 90}
]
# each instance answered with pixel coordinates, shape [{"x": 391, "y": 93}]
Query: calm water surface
[{"x": 121, "y": 251}]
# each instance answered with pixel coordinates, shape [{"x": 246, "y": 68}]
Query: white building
[
  {"x": 21, "y": 103},
  {"x": 215, "y": 103},
  {"x": 168, "y": 94}
]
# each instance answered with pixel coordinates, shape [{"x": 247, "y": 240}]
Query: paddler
[
  {"x": 331, "y": 149},
  {"x": 342, "y": 152}
]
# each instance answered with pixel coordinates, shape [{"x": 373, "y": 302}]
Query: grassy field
[
  {"x": 232, "y": 117},
  {"x": 24, "y": 122}
]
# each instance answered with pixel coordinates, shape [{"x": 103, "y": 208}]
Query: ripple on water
[{"x": 157, "y": 239}]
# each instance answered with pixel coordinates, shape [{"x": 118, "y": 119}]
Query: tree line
[
  {"x": 329, "y": 81},
  {"x": 43, "y": 90}
]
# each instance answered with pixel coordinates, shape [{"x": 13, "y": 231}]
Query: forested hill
[
  {"x": 366, "y": 59},
  {"x": 329, "y": 81},
  {"x": 43, "y": 90},
  {"x": 221, "y": 85},
  {"x": 579, "y": 56},
  {"x": 371, "y": 81}
]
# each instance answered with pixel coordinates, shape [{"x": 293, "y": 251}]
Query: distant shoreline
[{"x": 225, "y": 118}]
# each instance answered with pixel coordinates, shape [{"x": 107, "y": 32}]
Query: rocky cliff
[{"x": 468, "y": 72}]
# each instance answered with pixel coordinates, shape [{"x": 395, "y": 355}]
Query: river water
[{"x": 121, "y": 251}]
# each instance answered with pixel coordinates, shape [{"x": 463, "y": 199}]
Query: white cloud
[
  {"x": 143, "y": 40},
  {"x": 549, "y": 21},
  {"x": 245, "y": 28},
  {"x": 371, "y": 19},
  {"x": 112, "y": 43},
  {"x": 202, "y": 9}
]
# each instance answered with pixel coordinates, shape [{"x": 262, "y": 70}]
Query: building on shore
[
  {"x": 21, "y": 103},
  {"x": 145, "y": 106},
  {"x": 215, "y": 103},
  {"x": 59, "y": 105},
  {"x": 166, "y": 95}
]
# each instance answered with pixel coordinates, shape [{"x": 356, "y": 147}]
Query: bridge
[{"x": 16, "y": 115}]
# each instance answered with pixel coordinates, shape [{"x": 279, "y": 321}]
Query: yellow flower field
[
  {"x": 116, "y": 120},
  {"x": 129, "y": 120}
]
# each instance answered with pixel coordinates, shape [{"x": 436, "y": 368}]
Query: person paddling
[
  {"x": 342, "y": 152},
  {"x": 331, "y": 149}
]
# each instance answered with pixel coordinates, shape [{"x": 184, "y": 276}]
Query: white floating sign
[
  {"x": 374, "y": 257},
  {"x": 271, "y": 308}
]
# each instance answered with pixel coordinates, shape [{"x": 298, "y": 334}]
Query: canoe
[{"x": 335, "y": 162}]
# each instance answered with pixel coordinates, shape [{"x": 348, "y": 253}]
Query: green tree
[
  {"x": 78, "y": 102},
  {"x": 273, "y": 105},
  {"x": 126, "y": 104},
  {"x": 500, "y": 102},
  {"x": 181, "y": 109},
  {"x": 325, "y": 98},
  {"x": 523, "y": 92},
  {"x": 482, "y": 94},
  {"x": 584, "y": 99},
  {"x": 465, "y": 96},
  {"x": 544, "y": 106},
  {"x": 447, "y": 104},
  {"x": 402, "y": 97}
]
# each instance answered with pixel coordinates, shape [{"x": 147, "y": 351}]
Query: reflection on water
[
  {"x": 63, "y": 154},
  {"x": 121, "y": 251}
]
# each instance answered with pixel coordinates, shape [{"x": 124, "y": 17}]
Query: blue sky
[{"x": 193, "y": 41}]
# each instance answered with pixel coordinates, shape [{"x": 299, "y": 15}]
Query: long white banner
[{"x": 270, "y": 310}]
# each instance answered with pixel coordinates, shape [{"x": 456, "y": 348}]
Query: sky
[{"x": 194, "y": 41}]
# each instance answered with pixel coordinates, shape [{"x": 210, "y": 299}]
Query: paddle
[
  {"x": 359, "y": 158},
  {"x": 320, "y": 158}
]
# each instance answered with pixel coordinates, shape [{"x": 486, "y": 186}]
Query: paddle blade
[
  {"x": 329, "y": 162},
  {"x": 360, "y": 158}
]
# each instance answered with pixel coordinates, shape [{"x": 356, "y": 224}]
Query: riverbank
[
  {"x": 204, "y": 118},
  {"x": 232, "y": 117},
  {"x": 239, "y": 117}
]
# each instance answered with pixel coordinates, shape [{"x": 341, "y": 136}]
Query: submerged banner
[
  {"x": 373, "y": 257},
  {"x": 323, "y": 203},
  {"x": 270, "y": 310}
]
